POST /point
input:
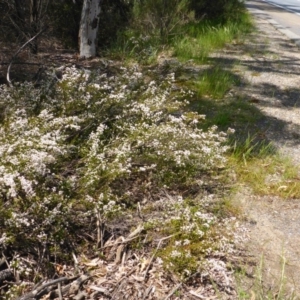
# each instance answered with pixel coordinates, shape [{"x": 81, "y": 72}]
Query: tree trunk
[
  {"x": 89, "y": 28},
  {"x": 34, "y": 24}
]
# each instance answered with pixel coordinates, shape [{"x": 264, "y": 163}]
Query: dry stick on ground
[
  {"x": 148, "y": 292},
  {"x": 59, "y": 291},
  {"x": 158, "y": 246},
  {"x": 72, "y": 288},
  {"x": 100, "y": 290},
  {"x": 179, "y": 286},
  {"x": 75, "y": 262},
  {"x": 119, "y": 242},
  {"x": 34, "y": 293},
  {"x": 133, "y": 235},
  {"x": 99, "y": 230},
  {"x": 3, "y": 261},
  {"x": 15, "y": 55},
  {"x": 119, "y": 250},
  {"x": 119, "y": 253},
  {"x": 119, "y": 288},
  {"x": 139, "y": 211},
  {"x": 22, "y": 63}
]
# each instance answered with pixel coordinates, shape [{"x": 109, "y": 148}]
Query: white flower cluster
[
  {"x": 28, "y": 147},
  {"x": 97, "y": 133},
  {"x": 107, "y": 208},
  {"x": 21, "y": 266},
  {"x": 196, "y": 233},
  {"x": 149, "y": 132}
]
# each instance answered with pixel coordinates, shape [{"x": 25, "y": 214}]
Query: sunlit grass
[
  {"x": 259, "y": 166},
  {"x": 215, "y": 83},
  {"x": 200, "y": 39}
]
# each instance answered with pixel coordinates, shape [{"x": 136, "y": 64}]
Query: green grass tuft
[{"x": 199, "y": 39}]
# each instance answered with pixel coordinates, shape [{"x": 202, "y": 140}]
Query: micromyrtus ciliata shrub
[{"x": 79, "y": 146}]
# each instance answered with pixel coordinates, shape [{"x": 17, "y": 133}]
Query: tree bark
[{"x": 88, "y": 31}]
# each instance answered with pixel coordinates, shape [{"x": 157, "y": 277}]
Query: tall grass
[
  {"x": 188, "y": 40},
  {"x": 258, "y": 165},
  {"x": 214, "y": 82},
  {"x": 199, "y": 39}
]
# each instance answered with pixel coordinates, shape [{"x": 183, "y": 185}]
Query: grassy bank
[{"x": 200, "y": 39}]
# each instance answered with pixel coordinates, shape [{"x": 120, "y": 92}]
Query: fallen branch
[
  {"x": 72, "y": 288},
  {"x": 39, "y": 289}
]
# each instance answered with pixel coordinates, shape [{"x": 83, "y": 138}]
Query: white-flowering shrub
[
  {"x": 149, "y": 133},
  {"x": 94, "y": 134},
  {"x": 194, "y": 234},
  {"x": 29, "y": 149}
]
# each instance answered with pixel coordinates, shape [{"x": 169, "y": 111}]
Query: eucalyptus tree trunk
[{"x": 89, "y": 28}]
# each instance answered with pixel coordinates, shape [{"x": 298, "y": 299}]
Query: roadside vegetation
[{"x": 123, "y": 171}]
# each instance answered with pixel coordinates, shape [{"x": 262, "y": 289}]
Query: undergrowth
[
  {"x": 93, "y": 145},
  {"x": 189, "y": 39},
  {"x": 260, "y": 167},
  {"x": 97, "y": 145}
]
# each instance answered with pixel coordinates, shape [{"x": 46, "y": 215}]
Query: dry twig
[
  {"x": 152, "y": 258},
  {"x": 99, "y": 230},
  {"x": 59, "y": 291},
  {"x": 179, "y": 286}
]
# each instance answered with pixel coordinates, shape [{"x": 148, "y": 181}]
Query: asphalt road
[
  {"x": 289, "y": 5},
  {"x": 283, "y": 14}
]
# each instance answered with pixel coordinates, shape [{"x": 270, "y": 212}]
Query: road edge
[{"x": 288, "y": 33}]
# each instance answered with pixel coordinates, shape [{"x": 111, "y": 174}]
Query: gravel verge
[{"x": 268, "y": 64}]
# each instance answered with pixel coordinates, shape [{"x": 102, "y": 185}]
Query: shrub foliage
[{"x": 83, "y": 145}]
